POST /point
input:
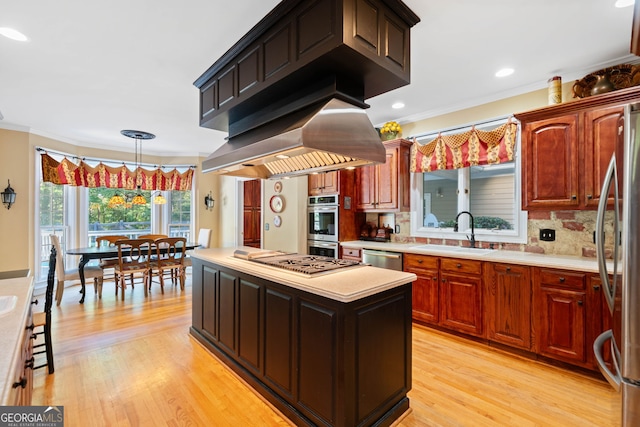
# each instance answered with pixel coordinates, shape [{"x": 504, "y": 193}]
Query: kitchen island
[{"x": 331, "y": 349}]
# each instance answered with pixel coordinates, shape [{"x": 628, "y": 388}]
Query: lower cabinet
[
  {"x": 508, "y": 304},
  {"x": 319, "y": 361},
  {"x": 22, "y": 375},
  {"x": 561, "y": 315},
  {"x": 447, "y": 292}
]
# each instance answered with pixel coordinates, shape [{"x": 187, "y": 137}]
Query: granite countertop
[
  {"x": 511, "y": 257},
  {"x": 344, "y": 285},
  {"x": 12, "y": 331}
]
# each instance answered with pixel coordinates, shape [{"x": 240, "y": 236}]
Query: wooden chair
[
  {"x": 43, "y": 318},
  {"x": 108, "y": 263},
  {"x": 170, "y": 259},
  {"x": 153, "y": 236},
  {"x": 204, "y": 240},
  {"x": 65, "y": 275},
  {"x": 134, "y": 260}
]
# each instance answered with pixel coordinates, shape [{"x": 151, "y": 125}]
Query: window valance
[
  {"x": 471, "y": 148},
  {"x": 84, "y": 175}
]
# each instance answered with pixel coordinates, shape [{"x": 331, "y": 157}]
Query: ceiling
[{"x": 92, "y": 69}]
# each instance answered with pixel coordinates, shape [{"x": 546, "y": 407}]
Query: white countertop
[
  {"x": 344, "y": 285},
  {"x": 511, "y": 257},
  {"x": 12, "y": 329}
]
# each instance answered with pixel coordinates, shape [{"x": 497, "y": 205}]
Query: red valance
[
  {"x": 83, "y": 175},
  {"x": 462, "y": 150}
]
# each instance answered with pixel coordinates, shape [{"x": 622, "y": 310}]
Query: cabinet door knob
[
  {"x": 596, "y": 288},
  {"x": 30, "y": 327},
  {"x": 434, "y": 278},
  {"x": 35, "y": 301},
  {"x": 419, "y": 261},
  {"x": 508, "y": 268},
  {"x": 580, "y": 302},
  {"x": 589, "y": 196},
  {"x": 458, "y": 265},
  {"x": 562, "y": 280},
  {"x": 573, "y": 197}
]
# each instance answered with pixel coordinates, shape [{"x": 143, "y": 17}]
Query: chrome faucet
[{"x": 472, "y": 240}]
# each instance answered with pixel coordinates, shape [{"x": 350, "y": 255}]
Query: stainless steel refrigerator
[{"x": 618, "y": 232}]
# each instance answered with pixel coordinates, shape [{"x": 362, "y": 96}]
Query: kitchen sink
[
  {"x": 453, "y": 249},
  {"x": 7, "y": 303}
]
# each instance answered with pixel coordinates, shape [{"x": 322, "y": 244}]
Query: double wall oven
[{"x": 322, "y": 225}]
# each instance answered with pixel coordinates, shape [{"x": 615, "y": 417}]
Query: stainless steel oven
[
  {"x": 330, "y": 249},
  {"x": 322, "y": 218}
]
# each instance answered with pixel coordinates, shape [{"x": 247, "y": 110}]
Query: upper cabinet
[
  {"x": 385, "y": 187},
  {"x": 566, "y": 149},
  {"x": 324, "y": 183}
]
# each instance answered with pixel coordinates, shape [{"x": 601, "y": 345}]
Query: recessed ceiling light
[
  {"x": 12, "y": 34},
  {"x": 504, "y": 72},
  {"x": 282, "y": 156},
  {"x": 624, "y": 3},
  {"x": 397, "y": 105}
]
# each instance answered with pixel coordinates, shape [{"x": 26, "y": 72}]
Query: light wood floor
[{"x": 133, "y": 363}]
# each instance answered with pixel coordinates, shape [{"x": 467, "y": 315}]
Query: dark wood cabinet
[
  {"x": 386, "y": 187},
  {"x": 566, "y": 150},
  {"x": 508, "y": 304},
  {"x": 318, "y": 360},
  {"x": 426, "y": 288},
  {"x": 296, "y": 46},
  {"x": 560, "y": 299},
  {"x": 461, "y": 295}
]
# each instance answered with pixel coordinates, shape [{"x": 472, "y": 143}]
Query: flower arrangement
[{"x": 390, "y": 130}]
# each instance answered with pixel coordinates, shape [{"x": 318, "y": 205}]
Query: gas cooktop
[{"x": 305, "y": 264}]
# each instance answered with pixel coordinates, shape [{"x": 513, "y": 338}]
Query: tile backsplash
[{"x": 574, "y": 234}]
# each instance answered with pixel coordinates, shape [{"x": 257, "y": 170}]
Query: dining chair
[
  {"x": 72, "y": 275},
  {"x": 134, "y": 260},
  {"x": 43, "y": 319},
  {"x": 170, "y": 259},
  {"x": 109, "y": 263},
  {"x": 153, "y": 236},
  {"x": 204, "y": 240}
]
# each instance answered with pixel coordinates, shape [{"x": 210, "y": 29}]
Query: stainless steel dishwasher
[{"x": 383, "y": 259}]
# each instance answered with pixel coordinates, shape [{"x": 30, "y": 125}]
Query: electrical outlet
[{"x": 547, "y": 234}]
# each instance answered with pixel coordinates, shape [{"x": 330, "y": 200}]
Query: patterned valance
[
  {"x": 471, "y": 148},
  {"x": 83, "y": 175}
]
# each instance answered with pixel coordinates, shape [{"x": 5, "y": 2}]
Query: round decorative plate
[
  {"x": 277, "y": 187},
  {"x": 276, "y": 204},
  {"x": 277, "y": 220}
]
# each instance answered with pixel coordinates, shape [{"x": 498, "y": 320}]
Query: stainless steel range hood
[{"x": 322, "y": 137}]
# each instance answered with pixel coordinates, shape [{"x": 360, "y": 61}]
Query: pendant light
[
  {"x": 159, "y": 199},
  {"x": 138, "y": 199}
]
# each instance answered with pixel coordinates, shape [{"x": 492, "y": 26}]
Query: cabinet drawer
[
  {"x": 461, "y": 265},
  {"x": 565, "y": 279},
  {"x": 420, "y": 261},
  {"x": 351, "y": 253}
]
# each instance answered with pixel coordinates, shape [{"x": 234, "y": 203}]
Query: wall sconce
[
  {"x": 8, "y": 196},
  {"x": 208, "y": 201}
]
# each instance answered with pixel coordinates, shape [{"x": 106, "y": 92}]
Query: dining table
[{"x": 99, "y": 252}]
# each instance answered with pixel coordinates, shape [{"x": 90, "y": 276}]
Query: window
[
  {"x": 180, "y": 214},
  {"x": 52, "y": 221},
  {"x": 490, "y": 192},
  {"x": 128, "y": 219}
]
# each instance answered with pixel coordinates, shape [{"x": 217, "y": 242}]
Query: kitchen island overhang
[{"x": 330, "y": 350}]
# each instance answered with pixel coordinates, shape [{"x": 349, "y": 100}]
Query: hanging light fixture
[
  {"x": 138, "y": 199},
  {"x": 159, "y": 198}
]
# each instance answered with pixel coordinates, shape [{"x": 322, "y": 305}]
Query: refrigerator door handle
[
  {"x": 600, "y": 253},
  {"x": 598, "y": 345}
]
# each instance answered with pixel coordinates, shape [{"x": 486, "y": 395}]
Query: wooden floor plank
[{"x": 133, "y": 363}]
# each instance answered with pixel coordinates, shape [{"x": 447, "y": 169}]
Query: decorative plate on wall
[
  {"x": 276, "y": 204},
  {"x": 277, "y": 220},
  {"x": 277, "y": 187}
]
